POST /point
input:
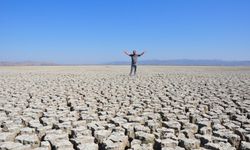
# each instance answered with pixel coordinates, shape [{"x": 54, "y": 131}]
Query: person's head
[{"x": 134, "y": 51}]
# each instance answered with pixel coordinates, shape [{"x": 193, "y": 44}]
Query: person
[{"x": 134, "y": 57}]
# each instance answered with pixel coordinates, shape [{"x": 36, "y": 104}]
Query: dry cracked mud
[{"x": 102, "y": 108}]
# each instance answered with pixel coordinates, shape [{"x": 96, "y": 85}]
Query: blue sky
[{"x": 88, "y": 31}]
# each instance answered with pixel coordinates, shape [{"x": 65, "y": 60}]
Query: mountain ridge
[
  {"x": 170, "y": 62},
  {"x": 188, "y": 62}
]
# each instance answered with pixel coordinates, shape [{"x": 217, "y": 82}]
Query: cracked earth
[{"x": 102, "y": 108}]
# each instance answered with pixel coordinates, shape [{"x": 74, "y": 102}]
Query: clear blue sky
[{"x": 91, "y": 31}]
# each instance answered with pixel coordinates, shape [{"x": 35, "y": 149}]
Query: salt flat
[{"x": 101, "y": 107}]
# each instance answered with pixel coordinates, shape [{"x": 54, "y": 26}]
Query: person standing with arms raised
[{"x": 134, "y": 57}]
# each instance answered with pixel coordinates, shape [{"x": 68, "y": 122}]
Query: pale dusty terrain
[{"x": 101, "y": 107}]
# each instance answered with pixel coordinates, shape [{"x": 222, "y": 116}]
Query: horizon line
[{"x": 164, "y": 62}]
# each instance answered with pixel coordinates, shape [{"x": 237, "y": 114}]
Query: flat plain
[{"x": 102, "y": 108}]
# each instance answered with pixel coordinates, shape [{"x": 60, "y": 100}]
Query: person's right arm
[{"x": 126, "y": 53}]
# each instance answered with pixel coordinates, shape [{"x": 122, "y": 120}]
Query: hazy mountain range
[
  {"x": 188, "y": 62},
  {"x": 26, "y": 63},
  {"x": 174, "y": 62}
]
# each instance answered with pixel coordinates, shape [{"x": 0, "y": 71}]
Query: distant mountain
[
  {"x": 26, "y": 63},
  {"x": 174, "y": 62},
  {"x": 187, "y": 62}
]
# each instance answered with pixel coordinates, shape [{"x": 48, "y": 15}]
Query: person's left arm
[{"x": 142, "y": 53}]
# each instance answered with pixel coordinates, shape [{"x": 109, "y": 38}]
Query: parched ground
[{"x": 101, "y": 107}]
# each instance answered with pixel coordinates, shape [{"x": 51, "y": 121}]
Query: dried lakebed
[{"x": 102, "y": 108}]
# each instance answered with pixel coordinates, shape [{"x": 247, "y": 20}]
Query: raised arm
[
  {"x": 126, "y": 53},
  {"x": 142, "y": 53}
]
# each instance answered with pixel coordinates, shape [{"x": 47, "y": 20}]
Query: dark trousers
[{"x": 133, "y": 69}]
